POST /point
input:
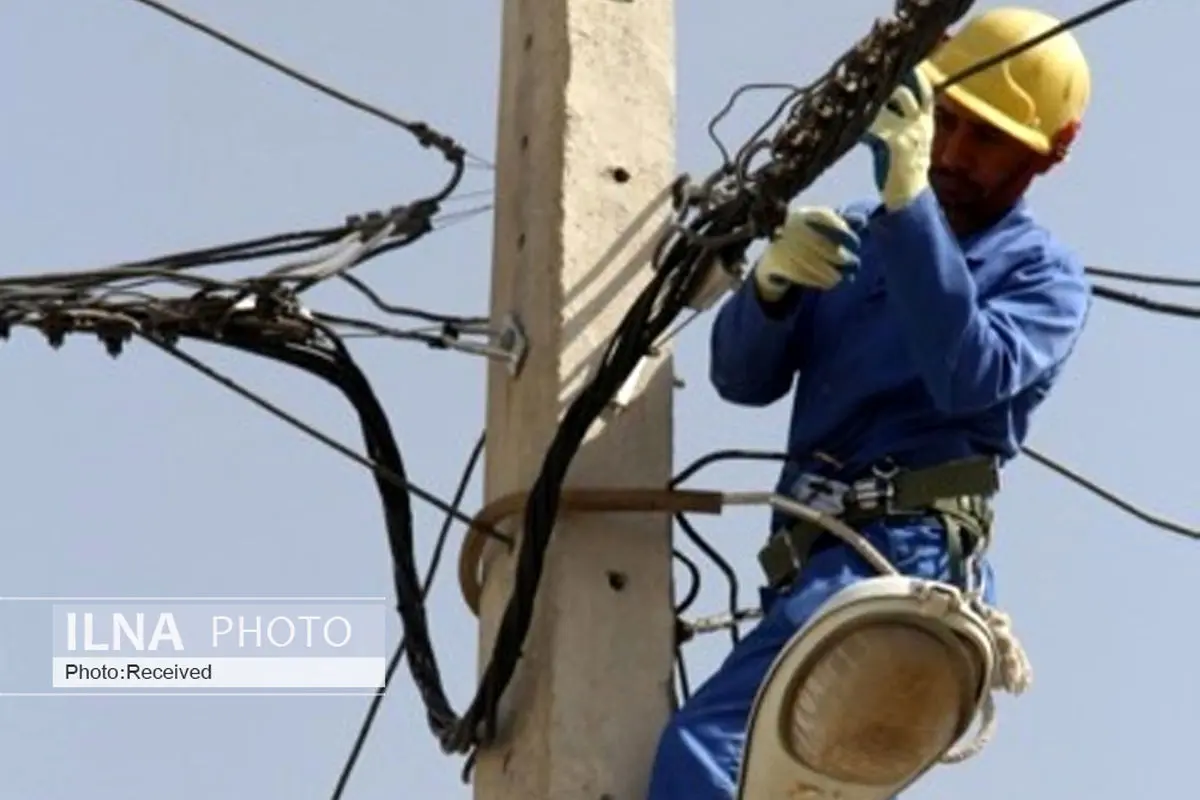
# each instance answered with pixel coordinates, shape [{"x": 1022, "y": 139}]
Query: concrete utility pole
[{"x": 586, "y": 145}]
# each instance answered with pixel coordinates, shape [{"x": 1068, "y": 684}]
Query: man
[{"x": 960, "y": 315}]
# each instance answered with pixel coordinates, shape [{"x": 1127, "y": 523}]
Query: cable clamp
[{"x": 508, "y": 343}]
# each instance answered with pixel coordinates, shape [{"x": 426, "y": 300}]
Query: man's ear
[{"x": 1060, "y": 146}]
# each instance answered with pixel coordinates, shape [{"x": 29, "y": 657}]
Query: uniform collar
[{"x": 976, "y": 245}]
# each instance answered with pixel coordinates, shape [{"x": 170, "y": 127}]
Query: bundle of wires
[
  {"x": 734, "y": 208},
  {"x": 728, "y": 211},
  {"x": 263, "y": 315},
  {"x": 715, "y": 222}
]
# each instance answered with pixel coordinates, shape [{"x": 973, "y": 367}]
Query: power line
[
  {"x": 1068, "y": 24},
  {"x": 779, "y": 182},
  {"x": 715, "y": 230},
  {"x": 734, "y": 206},
  {"x": 734, "y": 614},
  {"x": 1111, "y": 497},
  {"x": 427, "y": 584},
  {"x": 425, "y": 135},
  {"x": 1138, "y": 277},
  {"x": 263, "y": 315},
  {"x": 1145, "y": 303},
  {"x": 389, "y": 475},
  {"x": 734, "y": 224}
]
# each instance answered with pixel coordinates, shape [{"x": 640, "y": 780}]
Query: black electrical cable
[
  {"x": 798, "y": 158},
  {"x": 719, "y": 561},
  {"x": 1145, "y": 303},
  {"x": 167, "y": 265},
  {"x": 735, "y": 614},
  {"x": 338, "y": 368},
  {"x": 681, "y": 673},
  {"x": 1082, "y": 18},
  {"x": 1110, "y": 294},
  {"x": 694, "y": 582},
  {"x": 403, "y": 226},
  {"x": 681, "y": 606},
  {"x": 425, "y": 135},
  {"x": 364, "y": 731},
  {"x": 405, "y": 311},
  {"x": 277, "y": 327},
  {"x": 841, "y": 110},
  {"x": 825, "y": 122},
  {"x": 411, "y": 222},
  {"x": 723, "y": 566},
  {"x": 272, "y": 328},
  {"x": 379, "y": 469},
  {"x": 689, "y": 530},
  {"x": 717, "y": 456},
  {"x": 1138, "y": 277},
  {"x": 1066, "y": 25},
  {"x": 1112, "y": 497}
]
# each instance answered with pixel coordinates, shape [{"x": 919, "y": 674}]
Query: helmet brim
[{"x": 1031, "y": 138}]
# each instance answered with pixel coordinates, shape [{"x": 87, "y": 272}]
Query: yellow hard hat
[{"x": 1037, "y": 96}]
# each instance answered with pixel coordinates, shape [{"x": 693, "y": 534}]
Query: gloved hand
[
  {"x": 901, "y": 142},
  {"x": 815, "y": 248}
]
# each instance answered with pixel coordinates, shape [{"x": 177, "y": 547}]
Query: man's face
[{"x": 977, "y": 170}]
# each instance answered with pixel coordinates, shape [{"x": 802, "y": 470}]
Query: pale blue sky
[{"x": 126, "y": 135}]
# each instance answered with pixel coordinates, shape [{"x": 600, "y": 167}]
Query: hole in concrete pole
[
  {"x": 524, "y": 142},
  {"x": 529, "y": 41},
  {"x": 520, "y": 241},
  {"x": 616, "y": 580},
  {"x": 620, "y": 174}
]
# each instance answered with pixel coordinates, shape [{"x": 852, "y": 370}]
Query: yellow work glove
[
  {"x": 901, "y": 142},
  {"x": 814, "y": 248}
]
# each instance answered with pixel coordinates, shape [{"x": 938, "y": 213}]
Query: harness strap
[
  {"x": 957, "y": 494},
  {"x": 968, "y": 523}
]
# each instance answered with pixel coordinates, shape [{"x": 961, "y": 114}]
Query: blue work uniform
[{"x": 940, "y": 349}]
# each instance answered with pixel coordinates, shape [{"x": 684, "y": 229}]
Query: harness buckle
[{"x": 957, "y": 491}]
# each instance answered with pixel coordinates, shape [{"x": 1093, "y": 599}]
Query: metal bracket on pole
[{"x": 509, "y": 343}]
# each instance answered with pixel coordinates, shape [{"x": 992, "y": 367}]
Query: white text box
[{"x": 219, "y": 673}]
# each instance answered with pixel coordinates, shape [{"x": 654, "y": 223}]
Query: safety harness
[{"x": 957, "y": 493}]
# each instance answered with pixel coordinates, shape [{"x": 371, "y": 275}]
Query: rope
[
  {"x": 824, "y": 121},
  {"x": 472, "y": 556},
  {"x": 471, "y": 561},
  {"x": 1013, "y": 671},
  {"x": 1013, "y": 674}
]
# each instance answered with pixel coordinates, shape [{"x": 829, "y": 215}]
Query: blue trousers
[{"x": 700, "y": 750}]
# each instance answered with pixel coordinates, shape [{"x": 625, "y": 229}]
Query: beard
[{"x": 955, "y": 190}]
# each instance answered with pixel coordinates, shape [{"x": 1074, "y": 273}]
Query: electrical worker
[{"x": 916, "y": 330}]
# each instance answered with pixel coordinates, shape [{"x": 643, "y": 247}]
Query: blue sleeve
[
  {"x": 974, "y": 354},
  {"x": 754, "y": 354}
]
